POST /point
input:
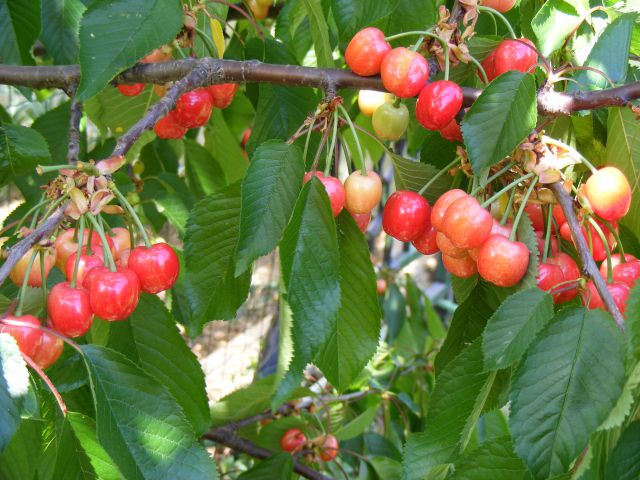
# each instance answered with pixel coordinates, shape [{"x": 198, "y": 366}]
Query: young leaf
[
  {"x": 60, "y": 25},
  {"x": 623, "y": 406},
  {"x": 358, "y": 425},
  {"x": 410, "y": 175},
  {"x": 565, "y": 388},
  {"x": 139, "y": 423},
  {"x": 19, "y": 29},
  {"x": 624, "y": 462},
  {"x": 495, "y": 458},
  {"x": 319, "y": 33},
  {"x": 14, "y": 387},
  {"x": 502, "y": 116},
  {"x": 21, "y": 150},
  {"x": 277, "y": 467},
  {"x": 269, "y": 193},
  {"x": 553, "y": 23}
]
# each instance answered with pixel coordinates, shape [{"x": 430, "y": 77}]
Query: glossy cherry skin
[
  {"x": 452, "y": 132},
  {"x": 87, "y": 262},
  {"x": 406, "y": 215},
  {"x": 370, "y": 100},
  {"x": 503, "y": 262},
  {"x": 597, "y": 247},
  {"x": 121, "y": 240},
  {"x": 549, "y": 275},
  {"x": 515, "y": 55},
  {"x": 488, "y": 64},
  {"x": 293, "y": 440},
  {"x": 49, "y": 350},
  {"x": 362, "y": 192},
  {"x": 130, "y": 90},
  {"x": 193, "y": 108},
  {"x": 616, "y": 259},
  {"x": 426, "y": 243},
  {"x": 496, "y": 229},
  {"x": 65, "y": 245},
  {"x": 609, "y": 193},
  {"x": 553, "y": 243},
  {"x": 570, "y": 271},
  {"x": 381, "y": 286},
  {"x": 404, "y": 72},
  {"x": 362, "y": 220},
  {"x": 619, "y": 292},
  {"x": 222, "y": 95},
  {"x": 336, "y": 193},
  {"x": 464, "y": 267},
  {"x": 501, "y": 6},
  {"x": 157, "y": 267},
  {"x": 447, "y": 248},
  {"x": 627, "y": 273},
  {"x": 19, "y": 271},
  {"x": 308, "y": 175},
  {"x": 441, "y": 205},
  {"x": 70, "y": 309},
  {"x": 390, "y": 122},
  {"x": 558, "y": 215},
  {"x": 329, "y": 448},
  {"x": 28, "y": 339},
  {"x": 114, "y": 295},
  {"x": 438, "y": 104},
  {"x": 466, "y": 223},
  {"x": 168, "y": 127},
  {"x": 365, "y": 52},
  {"x": 534, "y": 212}
]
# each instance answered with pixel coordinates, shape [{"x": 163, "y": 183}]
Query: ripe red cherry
[
  {"x": 553, "y": 243},
  {"x": 245, "y": 137},
  {"x": 362, "y": 192},
  {"x": 627, "y": 273},
  {"x": 534, "y": 212},
  {"x": 362, "y": 220},
  {"x": 570, "y": 272},
  {"x": 121, "y": 240},
  {"x": 496, "y": 229},
  {"x": 168, "y": 127},
  {"x": 308, "y": 175},
  {"x": 65, "y": 245},
  {"x": 452, "y": 132},
  {"x": 28, "y": 339},
  {"x": 464, "y": 267},
  {"x": 558, "y": 215},
  {"x": 549, "y": 275},
  {"x": 19, "y": 271},
  {"x": 501, "y": 6},
  {"x": 597, "y": 247},
  {"x": 466, "y": 223},
  {"x": 449, "y": 249},
  {"x": 515, "y": 55},
  {"x": 619, "y": 292},
  {"x": 329, "y": 448},
  {"x": 87, "y": 262},
  {"x": 609, "y": 193},
  {"x": 406, "y": 215},
  {"x": 441, "y": 205},
  {"x": 489, "y": 66},
  {"x": 335, "y": 190},
  {"x": 70, "y": 309},
  {"x": 157, "y": 267},
  {"x": 390, "y": 121},
  {"x": 131, "y": 90},
  {"x": 427, "y": 243},
  {"x": 365, "y": 52},
  {"x": 381, "y": 286},
  {"x": 114, "y": 295},
  {"x": 404, "y": 72},
  {"x": 293, "y": 440},
  {"x": 193, "y": 108},
  {"x": 503, "y": 262},
  {"x": 616, "y": 259},
  {"x": 48, "y": 351},
  {"x": 438, "y": 104},
  {"x": 222, "y": 95}
]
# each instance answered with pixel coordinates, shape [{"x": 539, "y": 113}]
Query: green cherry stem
[
  {"x": 133, "y": 214},
  {"x": 331, "y": 149},
  {"x": 616, "y": 236},
  {"x": 600, "y": 233},
  {"x": 79, "y": 251},
  {"x": 211, "y": 48},
  {"x": 497, "y": 195},
  {"x": 105, "y": 246},
  {"x": 55, "y": 205},
  {"x": 508, "y": 208},
  {"x": 496, "y": 175},
  {"x": 500, "y": 16},
  {"x": 439, "y": 174},
  {"x": 34, "y": 220},
  {"x": 30, "y": 212},
  {"x": 23, "y": 287},
  {"x": 308, "y": 139},
  {"x": 363, "y": 167},
  {"x": 480, "y": 68},
  {"x": 516, "y": 221},
  {"x": 547, "y": 235},
  {"x": 43, "y": 281}
]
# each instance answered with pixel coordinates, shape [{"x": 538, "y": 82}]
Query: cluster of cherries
[
  {"x": 294, "y": 440},
  {"x": 110, "y": 294}
]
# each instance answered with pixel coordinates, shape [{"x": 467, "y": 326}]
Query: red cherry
[
  {"x": 335, "y": 190},
  {"x": 609, "y": 193},
  {"x": 503, "y": 262},
  {"x": 329, "y": 448},
  {"x": 70, "y": 309},
  {"x": 404, "y": 72},
  {"x": 441, "y": 205},
  {"x": 449, "y": 249},
  {"x": 619, "y": 292},
  {"x": 65, "y": 245},
  {"x": 193, "y": 108},
  {"x": 48, "y": 351},
  {"x": 114, "y": 295},
  {"x": 87, "y": 262},
  {"x": 381, "y": 286},
  {"x": 570, "y": 271},
  {"x": 466, "y": 223},
  {"x": 19, "y": 271},
  {"x": 627, "y": 273},
  {"x": 245, "y": 137},
  {"x": 365, "y": 52},
  {"x": 501, "y": 6},
  {"x": 534, "y": 211},
  {"x": 362, "y": 193},
  {"x": 157, "y": 267},
  {"x": 549, "y": 275},
  {"x": 488, "y": 64},
  {"x": 406, "y": 215},
  {"x": 427, "y": 243},
  {"x": 515, "y": 55},
  {"x": 438, "y": 104},
  {"x": 222, "y": 95},
  {"x": 452, "y": 132},
  {"x": 496, "y": 229},
  {"x": 168, "y": 127},
  {"x": 598, "y": 251},
  {"x": 362, "y": 220},
  {"x": 558, "y": 215},
  {"x": 123, "y": 261},
  {"x": 130, "y": 90},
  {"x": 308, "y": 175},
  {"x": 464, "y": 267},
  {"x": 553, "y": 243},
  {"x": 292, "y": 440},
  {"x": 28, "y": 339},
  {"x": 616, "y": 259},
  {"x": 121, "y": 240}
]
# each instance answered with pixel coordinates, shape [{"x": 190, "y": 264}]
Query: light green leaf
[
  {"x": 21, "y": 456},
  {"x": 502, "y": 117},
  {"x": 411, "y": 175},
  {"x": 565, "y": 388},
  {"x": 387, "y": 468},
  {"x": 553, "y": 23},
  {"x": 269, "y": 193},
  {"x": 623, "y": 406},
  {"x": 277, "y": 467},
  {"x": 116, "y": 113},
  {"x": 60, "y": 25},
  {"x": 494, "y": 459},
  {"x": 224, "y": 146},
  {"x": 21, "y": 150},
  {"x": 243, "y": 403},
  {"x": 19, "y": 29},
  {"x": 84, "y": 429},
  {"x": 14, "y": 387},
  {"x": 358, "y": 425},
  {"x": 171, "y": 206},
  {"x": 319, "y": 33},
  {"x": 624, "y": 462},
  {"x": 204, "y": 169}
]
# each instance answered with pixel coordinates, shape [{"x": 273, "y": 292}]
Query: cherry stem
[
  {"x": 438, "y": 175},
  {"x": 30, "y": 212},
  {"x": 498, "y": 174},
  {"x": 55, "y": 333},
  {"x": 43, "y": 285},
  {"x": 48, "y": 381},
  {"x": 516, "y": 221},
  {"x": 25, "y": 281},
  {"x": 347, "y": 154},
  {"x": 600, "y": 233},
  {"x": 445, "y": 48},
  {"x": 306, "y": 142},
  {"x": 34, "y": 220},
  {"x": 416, "y": 45},
  {"x": 500, "y": 16},
  {"x": 480, "y": 68},
  {"x": 89, "y": 249},
  {"x": 55, "y": 205},
  {"x": 617, "y": 238},
  {"x": 497, "y": 195},
  {"x": 547, "y": 235},
  {"x": 363, "y": 167},
  {"x": 79, "y": 251},
  {"x": 105, "y": 245},
  {"x": 42, "y": 169},
  {"x": 565, "y": 286},
  {"x": 211, "y": 48},
  {"x": 508, "y": 208},
  {"x": 330, "y": 150},
  {"x": 570, "y": 149},
  {"x": 133, "y": 214},
  {"x": 558, "y": 75}
]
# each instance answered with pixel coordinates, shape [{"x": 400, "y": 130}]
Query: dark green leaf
[
  {"x": 353, "y": 15},
  {"x": 14, "y": 388},
  {"x": 21, "y": 150},
  {"x": 319, "y": 33},
  {"x": 204, "y": 168},
  {"x": 633, "y": 321},
  {"x": 395, "y": 311},
  {"x": 411, "y": 175},
  {"x": 277, "y": 467},
  {"x": 19, "y": 29},
  {"x": 20, "y": 458},
  {"x": 358, "y": 425},
  {"x": 54, "y": 128},
  {"x": 624, "y": 462},
  {"x": 60, "y": 25},
  {"x": 493, "y": 459},
  {"x": 243, "y": 403},
  {"x": 553, "y": 23}
]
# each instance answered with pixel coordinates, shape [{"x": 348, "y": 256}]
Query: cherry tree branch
[{"x": 73, "y": 147}]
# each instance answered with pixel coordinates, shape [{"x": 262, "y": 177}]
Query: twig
[
  {"x": 73, "y": 147},
  {"x": 47, "y": 380}
]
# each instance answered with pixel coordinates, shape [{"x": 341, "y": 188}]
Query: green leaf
[
  {"x": 319, "y": 33},
  {"x": 224, "y": 146},
  {"x": 632, "y": 322},
  {"x": 387, "y": 468},
  {"x": 116, "y": 113},
  {"x": 310, "y": 263},
  {"x": 624, "y": 462},
  {"x": 357, "y": 330},
  {"x": 358, "y": 425},
  {"x": 623, "y": 406},
  {"x": 243, "y": 403},
  {"x": 502, "y": 116},
  {"x": 20, "y": 458},
  {"x": 407, "y": 15},
  {"x": 269, "y": 193},
  {"x": 84, "y": 429},
  {"x": 513, "y": 327},
  {"x": 134, "y": 28},
  {"x": 60, "y": 25},
  {"x": 204, "y": 168},
  {"x": 14, "y": 388},
  {"x": 553, "y": 23},
  {"x": 353, "y": 15},
  {"x": 277, "y": 467},
  {"x": 565, "y": 388},
  {"x": 411, "y": 175},
  {"x": 495, "y": 458},
  {"x": 21, "y": 150},
  {"x": 19, "y": 29},
  {"x": 213, "y": 291},
  {"x": 54, "y": 128},
  {"x": 455, "y": 405},
  {"x": 139, "y": 423},
  {"x": 171, "y": 206}
]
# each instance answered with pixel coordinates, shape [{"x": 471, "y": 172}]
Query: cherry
[
  {"x": 466, "y": 223},
  {"x": 381, "y": 286},
  {"x": 121, "y": 240},
  {"x": 609, "y": 193},
  {"x": 258, "y": 10},
  {"x": 168, "y": 127},
  {"x": 87, "y": 262},
  {"x": 222, "y": 95},
  {"x": 553, "y": 243},
  {"x": 503, "y": 262},
  {"x": 441, "y": 205},
  {"x": 501, "y": 6},
  {"x": 157, "y": 55},
  {"x": 515, "y": 55},
  {"x": 65, "y": 245},
  {"x": 464, "y": 267},
  {"x": 619, "y": 292},
  {"x": 70, "y": 309},
  {"x": 570, "y": 271},
  {"x": 193, "y": 108},
  {"x": 19, "y": 271},
  {"x": 365, "y": 52},
  {"x": 130, "y": 90},
  {"x": 549, "y": 275},
  {"x": 406, "y": 215},
  {"x": 488, "y": 64},
  {"x": 362, "y": 193},
  {"x": 597, "y": 247},
  {"x": 404, "y": 72},
  {"x": 370, "y": 100},
  {"x": 558, "y": 215},
  {"x": 452, "y": 132},
  {"x": 292, "y": 440},
  {"x": 534, "y": 212},
  {"x": 447, "y": 248},
  {"x": 616, "y": 259},
  {"x": 312, "y": 173},
  {"x": 245, "y": 137},
  {"x": 329, "y": 448},
  {"x": 157, "y": 267},
  {"x": 438, "y": 104},
  {"x": 390, "y": 121},
  {"x": 362, "y": 220},
  {"x": 28, "y": 339},
  {"x": 114, "y": 295},
  {"x": 48, "y": 351},
  {"x": 627, "y": 273},
  {"x": 496, "y": 229},
  {"x": 335, "y": 190},
  {"x": 427, "y": 243}
]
